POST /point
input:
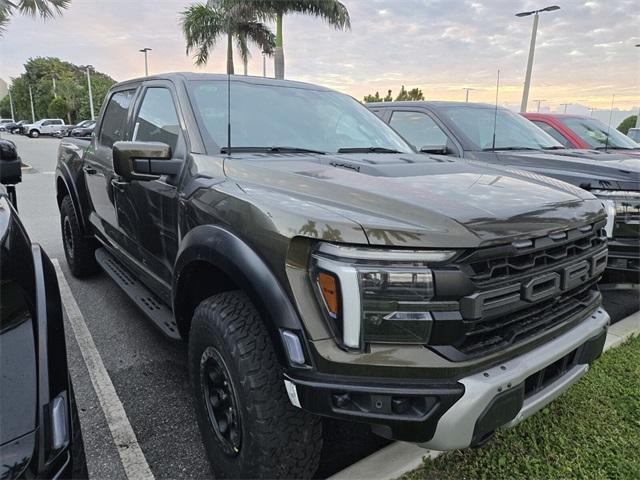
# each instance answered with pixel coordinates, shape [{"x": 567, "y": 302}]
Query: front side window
[
  {"x": 553, "y": 132},
  {"x": 114, "y": 121},
  {"x": 265, "y": 116},
  {"x": 512, "y": 131},
  {"x": 595, "y": 133},
  {"x": 419, "y": 129},
  {"x": 157, "y": 120}
]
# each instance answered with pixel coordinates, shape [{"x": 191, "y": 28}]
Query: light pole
[
  {"x": 146, "y": 61},
  {"x": 264, "y": 63},
  {"x": 33, "y": 112},
  {"x": 539, "y": 101},
  {"x": 565, "y": 105},
  {"x": 638, "y": 116},
  {"x": 532, "y": 47},
  {"x": 11, "y": 105},
  {"x": 93, "y": 115},
  {"x": 466, "y": 97}
]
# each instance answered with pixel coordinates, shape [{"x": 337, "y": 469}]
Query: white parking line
[{"x": 133, "y": 460}]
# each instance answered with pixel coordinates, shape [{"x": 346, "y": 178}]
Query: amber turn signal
[{"x": 329, "y": 289}]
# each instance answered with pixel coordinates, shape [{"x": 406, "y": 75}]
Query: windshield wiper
[
  {"x": 270, "y": 150},
  {"x": 497, "y": 149},
  {"x": 611, "y": 147},
  {"x": 555, "y": 147},
  {"x": 367, "y": 150}
]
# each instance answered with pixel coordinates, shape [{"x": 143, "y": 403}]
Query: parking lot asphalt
[{"x": 148, "y": 372}]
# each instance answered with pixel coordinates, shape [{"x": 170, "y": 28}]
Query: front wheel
[
  {"x": 248, "y": 426},
  {"x": 34, "y": 133}
]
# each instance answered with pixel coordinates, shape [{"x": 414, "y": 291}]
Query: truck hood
[
  {"x": 419, "y": 200},
  {"x": 584, "y": 168}
]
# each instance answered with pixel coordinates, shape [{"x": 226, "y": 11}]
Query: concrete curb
[{"x": 399, "y": 458}]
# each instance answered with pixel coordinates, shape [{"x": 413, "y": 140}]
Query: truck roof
[
  {"x": 432, "y": 103},
  {"x": 258, "y": 80}
]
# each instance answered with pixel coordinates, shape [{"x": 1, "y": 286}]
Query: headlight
[
  {"x": 623, "y": 211},
  {"x": 59, "y": 422},
  {"x": 375, "y": 295}
]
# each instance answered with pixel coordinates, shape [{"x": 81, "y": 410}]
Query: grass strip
[{"x": 591, "y": 432}]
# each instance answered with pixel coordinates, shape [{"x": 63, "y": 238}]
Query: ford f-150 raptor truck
[
  {"x": 318, "y": 266},
  {"x": 467, "y": 130}
]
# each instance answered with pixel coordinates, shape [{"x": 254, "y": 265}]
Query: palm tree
[
  {"x": 331, "y": 11},
  {"x": 204, "y": 23},
  {"x": 44, "y": 8}
]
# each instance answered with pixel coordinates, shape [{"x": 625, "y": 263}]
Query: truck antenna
[
  {"x": 606, "y": 142},
  {"x": 495, "y": 113},
  {"x": 228, "y": 101}
]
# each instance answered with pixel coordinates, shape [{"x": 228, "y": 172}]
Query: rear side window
[
  {"x": 157, "y": 120},
  {"x": 114, "y": 122},
  {"x": 553, "y": 132},
  {"x": 418, "y": 129}
]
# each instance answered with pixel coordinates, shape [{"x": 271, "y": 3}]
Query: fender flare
[
  {"x": 63, "y": 173},
  {"x": 230, "y": 254}
]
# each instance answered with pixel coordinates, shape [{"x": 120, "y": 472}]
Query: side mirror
[
  {"x": 435, "y": 149},
  {"x": 10, "y": 164},
  {"x": 144, "y": 160}
]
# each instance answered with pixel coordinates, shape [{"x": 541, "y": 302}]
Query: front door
[
  {"x": 147, "y": 210},
  {"x": 98, "y": 165}
]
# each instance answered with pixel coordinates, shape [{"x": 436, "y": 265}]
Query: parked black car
[
  {"x": 40, "y": 434},
  {"x": 14, "y": 127},
  {"x": 467, "y": 130},
  {"x": 319, "y": 266},
  {"x": 81, "y": 129}
]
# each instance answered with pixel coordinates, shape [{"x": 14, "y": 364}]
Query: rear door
[{"x": 98, "y": 164}]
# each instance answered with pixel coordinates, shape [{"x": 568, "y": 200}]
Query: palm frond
[
  {"x": 202, "y": 26},
  {"x": 43, "y": 8}
]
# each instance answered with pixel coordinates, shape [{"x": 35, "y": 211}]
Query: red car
[{"x": 579, "y": 131}]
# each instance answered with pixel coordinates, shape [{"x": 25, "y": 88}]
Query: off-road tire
[
  {"x": 34, "y": 133},
  {"x": 278, "y": 439},
  {"x": 78, "y": 249}
]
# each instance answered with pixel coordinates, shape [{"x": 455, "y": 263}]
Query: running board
[{"x": 146, "y": 301}]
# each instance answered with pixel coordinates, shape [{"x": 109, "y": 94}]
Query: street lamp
[
  {"x": 565, "y": 105},
  {"x": 466, "y": 98},
  {"x": 532, "y": 47},
  {"x": 13, "y": 115},
  {"x": 146, "y": 62},
  {"x": 93, "y": 115},
  {"x": 539, "y": 101},
  {"x": 638, "y": 116}
]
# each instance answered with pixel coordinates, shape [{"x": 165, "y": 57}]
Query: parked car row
[
  {"x": 317, "y": 264},
  {"x": 48, "y": 126}
]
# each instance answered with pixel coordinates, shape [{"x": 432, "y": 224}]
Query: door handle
[
  {"x": 89, "y": 170},
  {"x": 119, "y": 185}
]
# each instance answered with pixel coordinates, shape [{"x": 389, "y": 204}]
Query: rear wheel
[
  {"x": 78, "y": 249},
  {"x": 248, "y": 426},
  {"x": 34, "y": 133}
]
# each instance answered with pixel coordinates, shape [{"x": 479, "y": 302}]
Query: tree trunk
[
  {"x": 246, "y": 66},
  {"x": 278, "y": 57},
  {"x": 230, "y": 54}
]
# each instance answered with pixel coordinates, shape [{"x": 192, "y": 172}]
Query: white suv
[{"x": 46, "y": 126}]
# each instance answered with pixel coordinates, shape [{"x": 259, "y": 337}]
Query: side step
[{"x": 149, "y": 303}]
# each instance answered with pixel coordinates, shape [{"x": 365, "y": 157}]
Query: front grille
[
  {"x": 522, "y": 290},
  {"x": 488, "y": 335},
  {"x": 539, "y": 258}
]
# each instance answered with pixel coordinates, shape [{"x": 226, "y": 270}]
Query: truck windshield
[
  {"x": 594, "y": 133},
  {"x": 513, "y": 132},
  {"x": 289, "y": 118}
]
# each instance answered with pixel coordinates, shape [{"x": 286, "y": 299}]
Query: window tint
[
  {"x": 419, "y": 129},
  {"x": 157, "y": 120},
  {"x": 553, "y": 132},
  {"x": 114, "y": 122},
  {"x": 597, "y": 134}
]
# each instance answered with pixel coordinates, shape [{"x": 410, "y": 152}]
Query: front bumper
[
  {"x": 446, "y": 414},
  {"x": 623, "y": 264}
]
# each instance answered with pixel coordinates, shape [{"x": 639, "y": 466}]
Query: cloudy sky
[{"x": 585, "y": 51}]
